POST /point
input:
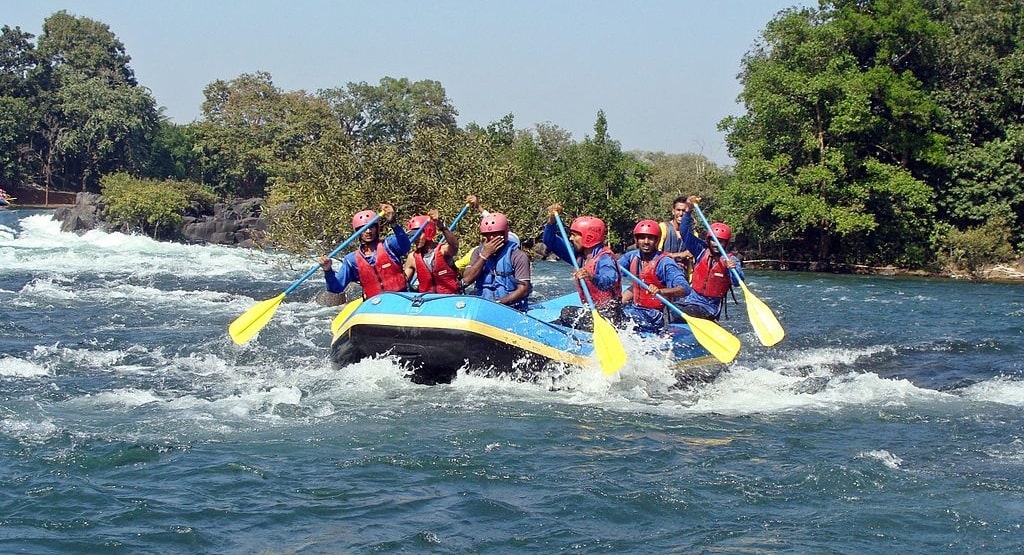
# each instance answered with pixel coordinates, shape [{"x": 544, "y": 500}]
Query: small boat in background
[{"x": 436, "y": 335}]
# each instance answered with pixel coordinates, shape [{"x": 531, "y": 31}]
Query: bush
[
  {"x": 976, "y": 247},
  {"x": 153, "y": 207}
]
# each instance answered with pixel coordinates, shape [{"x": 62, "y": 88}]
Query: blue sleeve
[
  {"x": 695, "y": 245},
  {"x": 552, "y": 239},
  {"x": 607, "y": 274},
  {"x": 626, "y": 260},
  {"x": 671, "y": 275},
  {"x": 338, "y": 280},
  {"x": 398, "y": 243},
  {"x": 346, "y": 274},
  {"x": 332, "y": 283}
]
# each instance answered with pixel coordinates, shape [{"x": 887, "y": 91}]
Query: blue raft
[{"x": 435, "y": 335}]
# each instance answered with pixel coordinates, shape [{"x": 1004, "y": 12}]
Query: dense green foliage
[
  {"x": 874, "y": 132},
  {"x": 70, "y": 108},
  {"x": 875, "y": 129},
  {"x": 152, "y": 206}
]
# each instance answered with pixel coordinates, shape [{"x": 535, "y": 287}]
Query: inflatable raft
[{"x": 436, "y": 335}]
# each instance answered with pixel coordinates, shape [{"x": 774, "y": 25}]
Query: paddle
[
  {"x": 346, "y": 311},
  {"x": 723, "y": 345},
  {"x": 610, "y": 352},
  {"x": 252, "y": 321},
  {"x": 766, "y": 325},
  {"x": 455, "y": 222}
]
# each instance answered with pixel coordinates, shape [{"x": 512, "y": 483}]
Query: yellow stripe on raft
[{"x": 472, "y": 326}]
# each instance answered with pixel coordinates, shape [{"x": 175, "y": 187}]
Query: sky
[{"x": 663, "y": 71}]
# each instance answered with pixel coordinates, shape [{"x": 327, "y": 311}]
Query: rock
[
  {"x": 326, "y": 298},
  {"x": 86, "y": 214},
  {"x": 240, "y": 222}
]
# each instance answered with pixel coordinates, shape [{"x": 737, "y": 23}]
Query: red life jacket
[
  {"x": 649, "y": 275},
  {"x": 600, "y": 297},
  {"x": 384, "y": 275},
  {"x": 441, "y": 279},
  {"x": 711, "y": 279}
]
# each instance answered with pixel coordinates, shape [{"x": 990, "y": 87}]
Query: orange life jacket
[
  {"x": 649, "y": 275},
  {"x": 600, "y": 297},
  {"x": 711, "y": 279},
  {"x": 442, "y": 278},
  {"x": 384, "y": 275}
]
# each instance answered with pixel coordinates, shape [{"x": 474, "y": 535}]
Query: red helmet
[
  {"x": 722, "y": 231},
  {"x": 362, "y": 218},
  {"x": 591, "y": 229},
  {"x": 493, "y": 223},
  {"x": 648, "y": 227},
  {"x": 429, "y": 232}
]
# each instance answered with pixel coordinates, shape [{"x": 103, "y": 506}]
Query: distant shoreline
[{"x": 1012, "y": 272}]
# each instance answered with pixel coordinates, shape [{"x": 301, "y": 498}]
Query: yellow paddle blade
[
  {"x": 346, "y": 311},
  {"x": 766, "y": 325},
  {"x": 252, "y": 321},
  {"x": 607, "y": 346},
  {"x": 722, "y": 345}
]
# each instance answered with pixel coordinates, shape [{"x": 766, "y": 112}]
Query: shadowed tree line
[{"x": 874, "y": 132}]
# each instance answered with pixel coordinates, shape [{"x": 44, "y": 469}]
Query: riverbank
[
  {"x": 242, "y": 224},
  {"x": 1006, "y": 271}
]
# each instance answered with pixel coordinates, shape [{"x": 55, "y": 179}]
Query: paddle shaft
[
  {"x": 575, "y": 263},
  {"x": 721, "y": 249},
  {"x": 455, "y": 222},
  {"x": 661, "y": 298},
  {"x": 332, "y": 254}
]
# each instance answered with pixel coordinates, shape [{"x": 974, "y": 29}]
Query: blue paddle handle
[
  {"x": 456, "y": 221},
  {"x": 572, "y": 258},
  {"x": 720, "y": 248},
  {"x": 332, "y": 254}
]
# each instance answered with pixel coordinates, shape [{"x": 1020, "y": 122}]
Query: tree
[
  {"x": 92, "y": 117},
  {"x": 598, "y": 179},
  {"x": 251, "y": 131},
  {"x": 18, "y": 86},
  {"x": 392, "y": 110},
  {"x": 838, "y": 135}
]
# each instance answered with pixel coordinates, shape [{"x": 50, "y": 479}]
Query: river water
[{"x": 888, "y": 421}]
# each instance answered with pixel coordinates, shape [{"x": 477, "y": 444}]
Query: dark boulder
[{"x": 85, "y": 214}]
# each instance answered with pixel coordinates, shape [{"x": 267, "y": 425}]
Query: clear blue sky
[{"x": 663, "y": 71}]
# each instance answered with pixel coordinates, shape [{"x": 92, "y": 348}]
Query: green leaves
[{"x": 154, "y": 207}]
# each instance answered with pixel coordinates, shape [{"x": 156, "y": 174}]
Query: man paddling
[
  {"x": 711, "y": 279},
  {"x": 376, "y": 265}
]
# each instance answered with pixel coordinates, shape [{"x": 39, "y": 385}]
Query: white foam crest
[
  {"x": 1003, "y": 390},
  {"x": 757, "y": 391},
  {"x": 883, "y": 456},
  {"x": 29, "y": 431},
  {"x": 20, "y": 368},
  {"x": 42, "y": 247},
  {"x": 55, "y": 287},
  {"x": 127, "y": 398},
  {"x": 817, "y": 359},
  {"x": 107, "y": 360},
  {"x": 1012, "y": 452}
]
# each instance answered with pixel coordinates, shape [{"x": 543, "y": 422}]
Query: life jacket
[
  {"x": 497, "y": 277},
  {"x": 601, "y": 298},
  {"x": 649, "y": 275},
  {"x": 711, "y": 279},
  {"x": 384, "y": 275},
  {"x": 435, "y": 274},
  {"x": 671, "y": 239}
]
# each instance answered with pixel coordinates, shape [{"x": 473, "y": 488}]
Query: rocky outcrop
[
  {"x": 239, "y": 223},
  {"x": 85, "y": 214}
]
